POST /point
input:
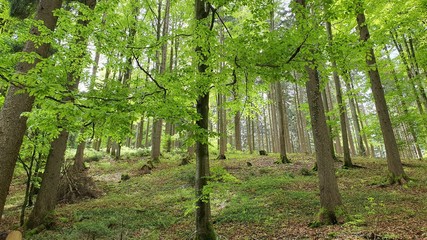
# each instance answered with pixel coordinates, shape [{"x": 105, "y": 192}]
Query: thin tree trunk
[
  {"x": 395, "y": 167},
  {"x": 156, "y": 139},
  {"x": 140, "y": 133},
  {"x": 326, "y": 106},
  {"x": 238, "y": 131},
  {"x": 12, "y": 124},
  {"x": 222, "y": 129},
  {"x": 204, "y": 228},
  {"x": 355, "y": 117},
  {"x": 341, "y": 106},
  {"x": 282, "y": 136}
]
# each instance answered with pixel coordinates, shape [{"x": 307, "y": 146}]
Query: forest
[{"x": 221, "y": 119}]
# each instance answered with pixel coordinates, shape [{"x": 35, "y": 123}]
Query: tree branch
[{"x": 150, "y": 76}]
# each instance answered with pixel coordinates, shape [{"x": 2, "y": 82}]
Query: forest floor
[{"x": 262, "y": 201}]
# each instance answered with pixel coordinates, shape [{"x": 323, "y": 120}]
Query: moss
[{"x": 209, "y": 235}]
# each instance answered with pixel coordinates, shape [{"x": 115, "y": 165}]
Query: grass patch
[{"x": 262, "y": 201}]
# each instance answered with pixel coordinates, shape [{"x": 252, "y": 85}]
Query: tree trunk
[
  {"x": 147, "y": 133},
  {"x": 326, "y": 106},
  {"x": 156, "y": 139},
  {"x": 47, "y": 197},
  {"x": 281, "y": 111},
  {"x": 341, "y": 106},
  {"x": 48, "y": 194},
  {"x": 140, "y": 133},
  {"x": 330, "y": 199},
  {"x": 393, "y": 158},
  {"x": 249, "y": 135},
  {"x": 204, "y": 228},
  {"x": 12, "y": 124},
  {"x": 79, "y": 164},
  {"x": 222, "y": 128},
  {"x": 238, "y": 131},
  {"x": 355, "y": 117}
]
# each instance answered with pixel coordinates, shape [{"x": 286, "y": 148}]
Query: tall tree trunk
[
  {"x": 156, "y": 137},
  {"x": 48, "y": 194},
  {"x": 341, "y": 106},
  {"x": 12, "y": 124},
  {"x": 330, "y": 199},
  {"x": 355, "y": 117},
  {"x": 249, "y": 135},
  {"x": 327, "y": 109},
  {"x": 393, "y": 158},
  {"x": 222, "y": 128},
  {"x": 204, "y": 228},
  {"x": 140, "y": 133},
  {"x": 238, "y": 131},
  {"x": 281, "y": 111}
]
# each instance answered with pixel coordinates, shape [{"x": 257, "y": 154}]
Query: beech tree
[
  {"x": 330, "y": 199},
  {"x": 393, "y": 157},
  {"x": 204, "y": 228},
  {"x": 12, "y": 124}
]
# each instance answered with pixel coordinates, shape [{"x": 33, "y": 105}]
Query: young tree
[{"x": 17, "y": 101}]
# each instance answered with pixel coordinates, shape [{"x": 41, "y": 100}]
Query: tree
[
  {"x": 397, "y": 174},
  {"x": 341, "y": 106},
  {"x": 12, "y": 124},
  {"x": 204, "y": 228},
  {"x": 47, "y": 197},
  {"x": 330, "y": 199}
]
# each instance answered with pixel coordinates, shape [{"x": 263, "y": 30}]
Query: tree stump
[
  {"x": 262, "y": 152},
  {"x": 146, "y": 169}
]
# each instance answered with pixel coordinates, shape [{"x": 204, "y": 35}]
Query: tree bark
[
  {"x": 204, "y": 228},
  {"x": 341, "y": 106},
  {"x": 395, "y": 167},
  {"x": 355, "y": 117},
  {"x": 79, "y": 163},
  {"x": 222, "y": 128},
  {"x": 48, "y": 194},
  {"x": 238, "y": 131},
  {"x": 330, "y": 199},
  {"x": 47, "y": 197},
  {"x": 140, "y": 133},
  {"x": 12, "y": 124},
  {"x": 281, "y": 111},
  {"x": 156, "y": 139}
]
